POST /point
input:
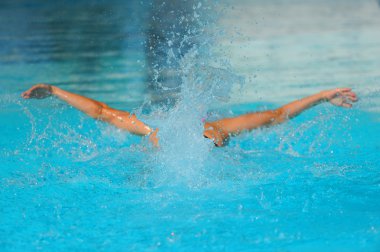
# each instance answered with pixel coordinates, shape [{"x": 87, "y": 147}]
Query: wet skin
[{"x": 218, "y": 131}]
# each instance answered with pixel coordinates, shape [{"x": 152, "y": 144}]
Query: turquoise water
[{"x": 70, "y": 183}]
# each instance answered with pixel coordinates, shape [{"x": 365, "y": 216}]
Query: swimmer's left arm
[{"x": 342, "y": 97}]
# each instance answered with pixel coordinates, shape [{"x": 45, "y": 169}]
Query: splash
[{"x": 204, "y": 80}]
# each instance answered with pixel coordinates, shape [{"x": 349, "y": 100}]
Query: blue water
[{"x": 70, "y": 183}]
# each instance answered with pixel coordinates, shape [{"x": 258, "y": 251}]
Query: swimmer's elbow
[
  {"x": 98, "y": 111},
  {"x": 104, "y": 114},
  {"x": 280, "y": 115}
]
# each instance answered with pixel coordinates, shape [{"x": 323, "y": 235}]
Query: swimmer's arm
[
  {"x": 342, "y": 97},
  {"x": 93, "y": 108},
  {"x": 339, "y": 97}
]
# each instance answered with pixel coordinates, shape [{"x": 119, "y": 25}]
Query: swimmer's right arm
[{"x": 95, "y": 109}]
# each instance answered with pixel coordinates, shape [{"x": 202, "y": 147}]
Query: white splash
[{"x": 183, "y": 150}]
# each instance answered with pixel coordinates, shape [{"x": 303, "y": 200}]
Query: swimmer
[{"x": 218, "y": 131}]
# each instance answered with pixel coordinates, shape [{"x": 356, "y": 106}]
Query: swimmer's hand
[
  {"x": 39, "y": 91},
  {"x": 342, "y": 97}
]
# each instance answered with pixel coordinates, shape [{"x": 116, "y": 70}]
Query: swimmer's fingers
[
  {"x": 345, "y": 98},
  {"x": 343, "y": 90},
  {"x": 333, "y": 93},
  {"x": 340, "y": 102},
  {"x": 342, "y": 97},
  {"x": 350, "y": 95},
  {"x": 346, "y": 105},
  {"x": 27, "y": 94}
]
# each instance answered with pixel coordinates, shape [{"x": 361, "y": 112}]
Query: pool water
[{"x": 70, "y": 183}]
